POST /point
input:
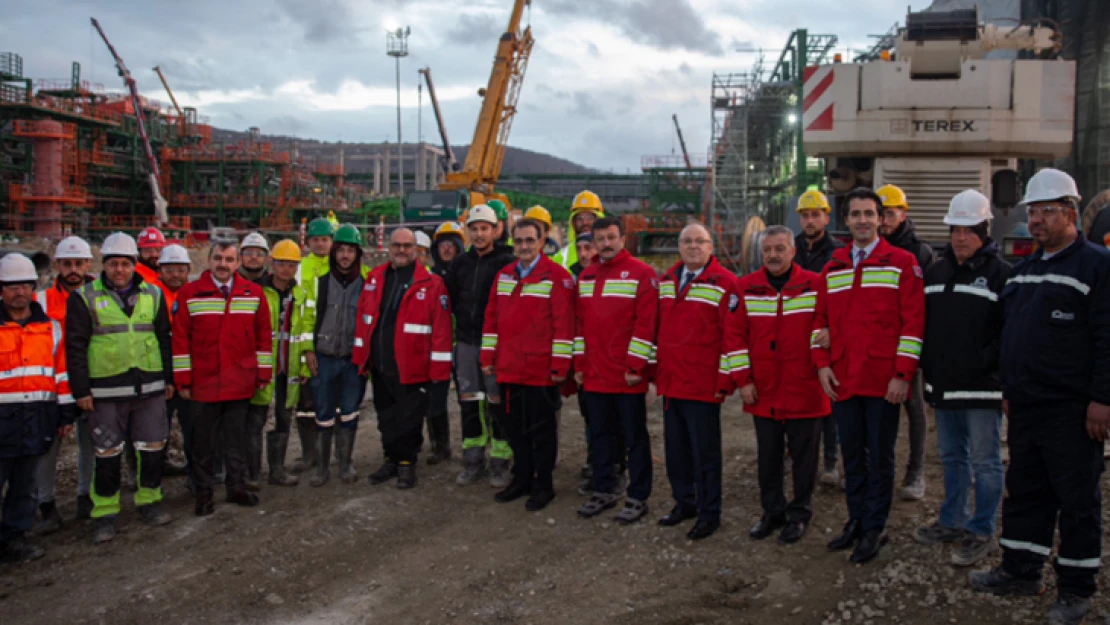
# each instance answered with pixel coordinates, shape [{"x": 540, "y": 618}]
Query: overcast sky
[{"x": 604, "y": 78}]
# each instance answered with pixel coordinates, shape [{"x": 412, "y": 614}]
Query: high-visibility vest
[{"x": 120, "y": 343}]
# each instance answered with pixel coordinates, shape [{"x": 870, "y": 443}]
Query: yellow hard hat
[
  {"x": 587, "y": 202},
  {"x": 892, "y": 197},
  {"x": 286, "y": 250},
  {"x": 813, "y": 200},
  {"x": 540, "y": 214},
  {"x": 448, "y": 227}
]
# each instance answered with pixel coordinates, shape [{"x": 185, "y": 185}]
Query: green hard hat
[
  {"x": 499, "y": 207},
  {"x": 320, "y": 227},
  {"x": 348, "y": 234}
]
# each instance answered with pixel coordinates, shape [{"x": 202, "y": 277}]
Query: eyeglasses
[
  {"x": 401, "y": 246},
  {"x": 1042, "y": 211},
  {"x": 694, "y": 241}
]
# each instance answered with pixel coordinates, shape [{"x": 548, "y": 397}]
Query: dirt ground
[{"x": 347, "y": 554}]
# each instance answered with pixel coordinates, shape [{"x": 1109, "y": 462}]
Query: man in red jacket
[
  {"x": 778, "y": 383},
  {"x": 403, "y": 340},
  {"x": 528, "y": 343},
  {"x": 222, "y": 354},
  {"x": 614, "y": 346},
  {"x": 696, "y": 299},
  {"x": 875, "y": 313}
]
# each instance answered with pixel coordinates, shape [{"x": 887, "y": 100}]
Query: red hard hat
[{"x": 151, "y": 237}]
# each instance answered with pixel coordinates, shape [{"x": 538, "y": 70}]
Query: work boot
[
  {"x": 499, "y": 473},
  {"x": 386, "y": 472},
  {"x": 204, "y": 504},
  {"x": 242, "y": 497},
  {"x": 323, "y": 449},
  {"x": 51, "y": 519},
  {"x": 1068, "y": 610},
  {"x": 972, "y": 549},
  {"x": 344, "y": 448},
  {"x": 914, "y": 487},
  {"x": 84, "y": 507},
  {"x": 998, "y": 581},
  {"x": 474, "y": 468},
  {"x": 19, "y": 550},
  {"x": 406, "y": 475},
  {"x": 105, "y": 529},
  {"x": 276, "y": 444},
  {"x": 306, "y": 431},
  {"x": 440, "y": 435},
  {"x": 153, "y": 514},
  {"x": 937, "y": 533}
]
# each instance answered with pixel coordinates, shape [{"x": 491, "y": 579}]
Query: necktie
[
  {"x": 225, "y": 291},
  {"x": 686, "y": 277},
  {"x": 860, "y": 255}
]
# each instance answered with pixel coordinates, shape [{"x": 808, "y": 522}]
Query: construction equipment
[
  {"x": 160, "y": 205},
  {"x": 682, "y": 143},
  {"x": 934, "y": 115},
  {"x": 449, "y": 162},
  {"x": 169, "y": 92},
  {"x": 474, "y": 183}
]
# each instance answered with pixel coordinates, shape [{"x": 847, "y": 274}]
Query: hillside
[{"x": 517, "y": 160}]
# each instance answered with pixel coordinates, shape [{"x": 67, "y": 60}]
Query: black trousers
[
  {"x": 221, "y": 424},
  {"x": 1054, "y": 473},
  {"x": 620, "y": 449},
  {"x": 630, "y": 410},
  {"x": 533, "y": 433},
  {"x": 692, "y": 431},
  {"x": 17, "y": 483},
  {"x": 868, "y": 429},
  {"x": 401, "y": 409},
  {"x": 773, "y": 438}
]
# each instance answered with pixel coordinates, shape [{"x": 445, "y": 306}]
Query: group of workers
[{"x": 825, "y": 340}]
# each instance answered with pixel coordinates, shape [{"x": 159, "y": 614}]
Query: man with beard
[
  {"x": 584, "y": 211},
  {"x": 446, "y": 246},
  {"x": 72, "y": 261},
  {"x": 151, "y": 241},
  {"x": 253, "y": 252}
]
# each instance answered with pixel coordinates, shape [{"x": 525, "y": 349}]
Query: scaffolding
[{"x": 756, "y": 158}]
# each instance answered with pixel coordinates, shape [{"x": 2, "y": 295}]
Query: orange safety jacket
[{"x": 53, "y": 300}]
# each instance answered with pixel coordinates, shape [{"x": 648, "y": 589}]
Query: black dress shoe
[
  {"x": 676, "y": 516},
  {"x": 538, "y": 501},
  {"x": 703, "y": 529},
  {"x": 386, "y": 472},
  {"x": 847, "y": 538},
  {"x": 792, "y": 533},
  {"x": 869, "y": 546},
  {"x": 515, "y": 490},
  {"x": 766, "y": 526}
]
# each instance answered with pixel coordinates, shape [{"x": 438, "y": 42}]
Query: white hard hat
[
  {"x": 15, "y": 268},
  {"x": 423, "y": 240},
  {"x": 256, "y": 240},
  {"x": 1048, "y": 185},
  {"x": 73, "y": 247},
  {"x": 174, "y": 255},
  {"x": 119, "y": 244},
  {"x": 968, "y": 208},
  {"x": 481, "y": 213}
]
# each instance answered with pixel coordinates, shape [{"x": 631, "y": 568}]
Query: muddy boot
[
  {"x": 344, "y": 448},
  {"x": 323, "y": 449},
  {"x": 84, "y": 507},
  {"x": 51, "y": 519},
  {"x": 276, "y": 444},
  {"x": 499, "y": 473},
  {"x": 105, "y": 529},
  {"x": 306, "y": 431},
  {"x": 474, "y": 469}
]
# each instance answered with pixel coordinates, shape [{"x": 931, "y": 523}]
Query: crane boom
[
  {"x": 487, "y": 150},
  {"x": 449, "y": 161},
  {"x": 682, "y": 143},
  {"x": 169, "y": 92},
  {"x": 160, "y": 205}
]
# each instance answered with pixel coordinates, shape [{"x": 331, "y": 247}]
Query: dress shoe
[
  {"x": 515, "y": 490},
  {"x": 676, "y": 516},
  {"x": 868, "y": 547},
  {"x": 847, "y": 539},
  {"x": 242, "y": 498},
  {"x": 792, "y": 533},
  {"x": 703, "y": 529},
  {"x": 204, "y": 505},
  {"x": 539, "y": 501},
  {"x": 766, "y": 526}
]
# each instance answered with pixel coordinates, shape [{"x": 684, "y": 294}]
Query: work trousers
[
  {"x": 831, "y": 441},
  {"x": 868, "y": 429},
  {"x": 773, "y": 438},
  {"x": 111, "y": 422},
  {"x": 221, "y": 425},
  {"x": 915, "y": 417},
  {"x": 630, "y": 410},
  {"x": 620, "y": 450},
  {"x": 337, "y": 385},
  {"x": 970, "y": 444},
  {"x": 481, "y": 420},
  {"x": 692, "y": 435},
  {"x": 1054, "y": 473},
  {"x": 439, "y": 428},
  {"x": 47, "y": 477},
  {"x": 401, "y": 409},
  {"x": 17, "y": 482},
  {"x": 533, "y": 432}
]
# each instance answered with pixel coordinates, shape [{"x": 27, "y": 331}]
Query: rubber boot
[
  {"x": 474, "y": 468},
  {"x": 323, "y": 448},
  {"x": 306, "y": 431},
  {"x": 344, "y": 448},
  {"x": 276, "y": 443}
]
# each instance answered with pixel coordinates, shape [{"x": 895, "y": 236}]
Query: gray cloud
[
  {"x": 476, "y": 29},
  {"x": 323, "y": 21},
  {"x": 667, "y": 24},
  {"x": 586, "y": 106}
]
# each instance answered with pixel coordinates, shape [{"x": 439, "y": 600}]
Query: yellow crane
[
  {"x": 173, "y": 100},
  {"x": 474, "y": 183}
]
